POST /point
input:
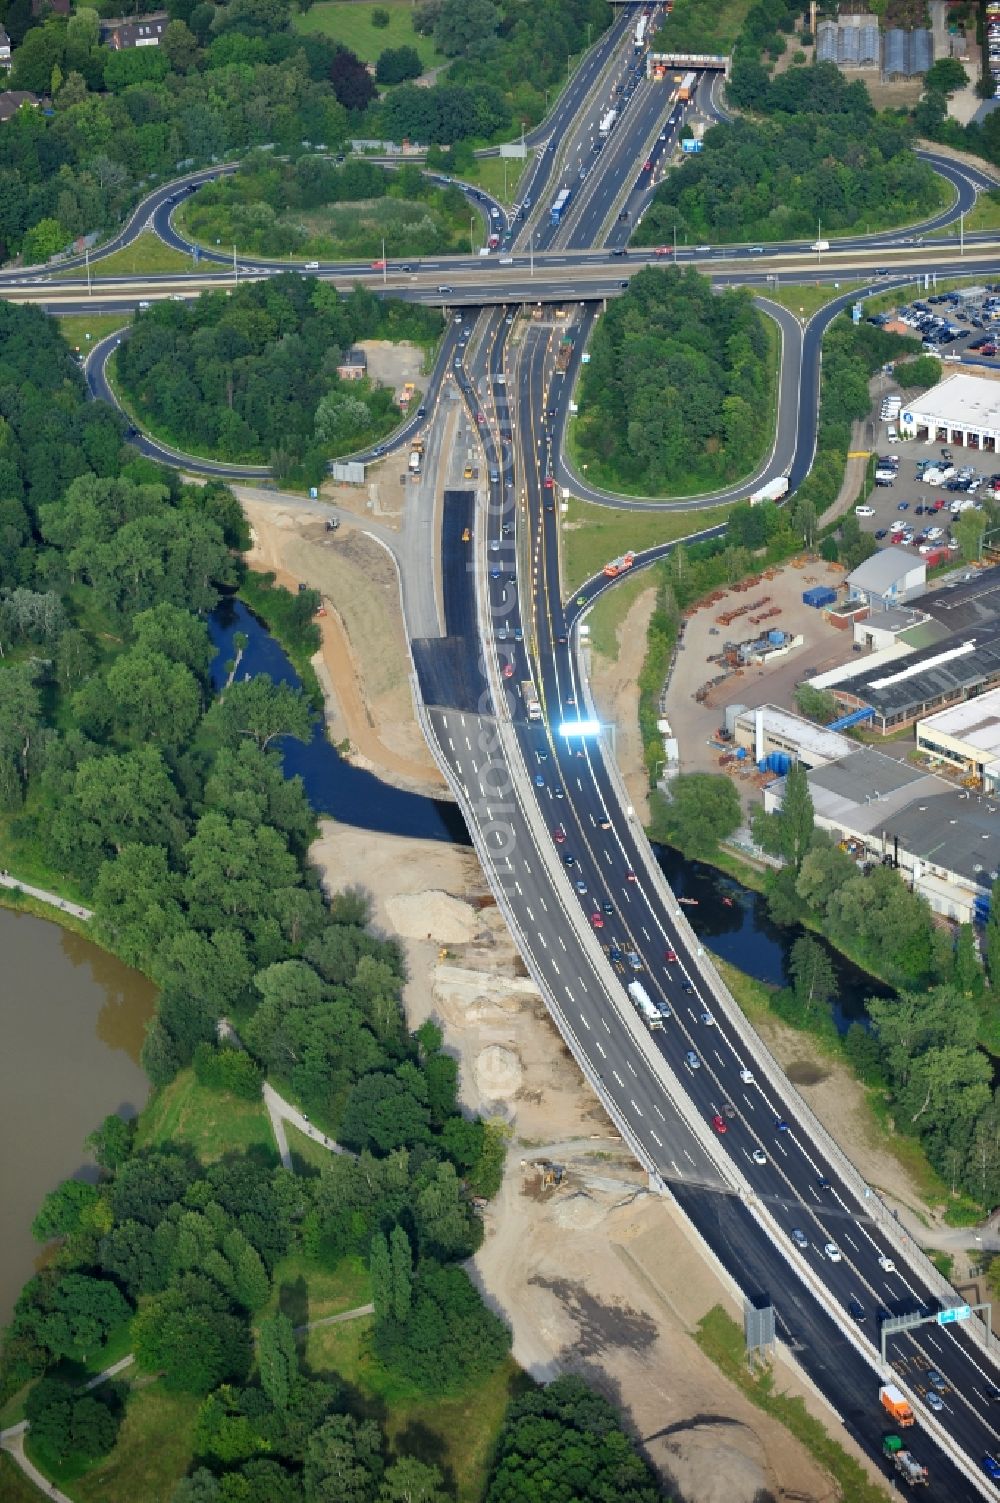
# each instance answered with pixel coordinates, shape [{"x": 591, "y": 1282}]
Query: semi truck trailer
[
  {"x": 530, "y": 698},
  {"x": 644, "y": 1005},
  {"x": 774, "y": 490},
  {"x": 906, "y": 1464}
]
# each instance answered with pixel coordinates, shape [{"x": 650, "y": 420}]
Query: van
[
  {"x": 143, "y": 306},
  {"x": 820, "y": 245},
  {"x": 506, "y": 260},
  {"x": 312, "y": 266},
  {"x": 484, "y": 250},
  {"x": 864, "y": 511},
  {"x": 892, "y": 437}
]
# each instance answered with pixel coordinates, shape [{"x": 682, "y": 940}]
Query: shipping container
[{"x": 819, "y": 596}]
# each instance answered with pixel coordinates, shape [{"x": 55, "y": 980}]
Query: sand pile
[
  {"x": 498, "y": 1073},
  {"x": 433, "y": 915}
]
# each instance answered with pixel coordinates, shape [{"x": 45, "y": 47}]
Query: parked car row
[{"x": 993, "y": 48}]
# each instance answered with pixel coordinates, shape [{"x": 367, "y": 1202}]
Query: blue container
[
  {"x": 776, "y": 638},
  {"x": 762, "y": 765},
  {"x": 741, "y": 753}
]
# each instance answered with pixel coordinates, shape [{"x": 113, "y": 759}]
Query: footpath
[{"x": 52, "y": 898}]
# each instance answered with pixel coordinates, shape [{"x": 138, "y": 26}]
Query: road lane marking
[
  {"x": 618, "y": 1078},
  {"x": 583, "y": 1020},
  {"x": 656, "y": 1109},
  {"x": 600, "y": 1050},
  {"x": 634, "y": 1104}
]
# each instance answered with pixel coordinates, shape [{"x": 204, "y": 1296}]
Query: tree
[
  {"x": 816, "y": 704},
  {"x": 111, "y": 1143},
  {"x": 397, "y": 64},
  {"x": 463, "y": 27},
  {"x": 78, "y": 1313},
  {"x": 566, "y": 1430},
  {"x": 991, "y": 937},
  {"x": 352, "y": 84},
  {"x": 344, "y": 1461},
  {"x": 968, "y": 975},
  {"x": 401, "y": 1257},
  {"x": 380, "y": 1271},
  {"x": 812, "y": 973},
  {"x": 64, "y": 1209},
  {"x": 970, "y": 526},
  {"x": 796, "y": 820},
  {"x": 277, "y": 1358},
  {"x": 380, "y": 18},
  {"x": 67, "y": 1425},
  {"x": 188, "y": 1332},
  {"x": 702, "y": 810},
  {"x": 264, "y": 711},
  {"x": 946, "y": 76},
  {"x": 450, "y": 1338},
  {"x": 411, "y": 1481}
]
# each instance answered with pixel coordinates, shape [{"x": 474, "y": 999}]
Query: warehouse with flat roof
[
  {"x": 966, "y": 736},
  {"x": 961, "y": 410},
  {"x": 912, "y": 686}
]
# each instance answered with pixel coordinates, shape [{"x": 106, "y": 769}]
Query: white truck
[
  {"x": 416, "y": 460},
  {"x": 644, "y": 1005},
  {"x": 530, "y": 698},
  {"x": 774, "y": 490},
  {"x": 606, "y": 125}
]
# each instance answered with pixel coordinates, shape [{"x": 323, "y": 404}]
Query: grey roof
[
  {"x": 961, "y": 664},
  {"x": 864, "y": 775},
  {"x": 959, "y": 831},
  {"x": 895, "y": 618},
  {"x": 884, "y": 569},
  {"x": 969, "y": 604}
]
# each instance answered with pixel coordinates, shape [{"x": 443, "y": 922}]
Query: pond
[{"x": 73, "y": 1021}]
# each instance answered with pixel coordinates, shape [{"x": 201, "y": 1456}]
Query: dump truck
[
  {"x": 530, "y": 698},
  {"x": 563, "y": 354},
  {"x": 416, "y": 460},
  {"x": 906, "y": 1464},
  {"x": 644, "y": 1005},
  {"x": 894, "y": 1400},
  {"x": 774, "y": 490},
  {"x": 619, "y": 565}
]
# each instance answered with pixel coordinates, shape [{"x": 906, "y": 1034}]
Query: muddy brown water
[{"x": 73, "y": 1019}]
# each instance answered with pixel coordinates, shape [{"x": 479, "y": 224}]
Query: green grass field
[
  {"x": 154, "y": 1450},
  {"x": 307, "y": 1292},
  {"x": 593, "y": 534},
  {"x": 456, "y": 1434},
  {"x": 807, "y": 298},
  {"x": 212, "y": 1122},
  {"x": 82, "y": 330},
  {"x": 14, "y": 1485},
  {"x": 611, "y": 610},
  {"x": 499, "y": 176},
  {"x": 147, "y": 253},
  {"x": 350, "y": 22}
]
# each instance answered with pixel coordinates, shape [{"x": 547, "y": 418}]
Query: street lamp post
[
  {"x": 385, "y": 268},
  {"x": 472, "y": 234}
]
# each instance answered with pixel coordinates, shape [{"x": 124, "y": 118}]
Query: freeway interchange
[{"x": 783, "y": 1214}]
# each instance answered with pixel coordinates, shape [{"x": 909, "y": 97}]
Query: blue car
[
  {"x": 903, "y": 506},
  {"x": 781, "y": 1125},
  {"x": 991, "y": 1467},
  {"x": 539, "y": 780}
]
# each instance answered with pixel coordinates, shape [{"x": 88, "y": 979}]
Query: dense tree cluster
[
  {"x": 254, "y": 376},
  {"x": 163, "y": 798},
  {"x": 314, "y": 209},
  {"x": 673, "y": 396},
  {"x": 225, "y": 78},
  {"x": 566, "y": 1443},
  {"x": 702, "y": 809},
  {"x": 775, "y": 179}
]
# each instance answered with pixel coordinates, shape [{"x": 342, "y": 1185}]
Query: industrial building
[
  {"x": 946, "y": 841},
  {"x": 961, "y": 410},
  {"x": 899, "y": 687},
  {"x": 766, "y": 730},
  {"x": 890, "y": 577},
  {"x": 966, "y": 737}
]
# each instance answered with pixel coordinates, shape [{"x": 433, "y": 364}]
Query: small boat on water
[
  {"x": 728, "y": 902},
  {"x": 691, "y": 902}
]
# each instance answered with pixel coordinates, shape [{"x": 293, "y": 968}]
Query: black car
[
  {"x": 880, "y": 534},
  {"x": 856, "y": 1310},
  {"x": 569, "y": 860},
  {"x": 619, "y": 250}
]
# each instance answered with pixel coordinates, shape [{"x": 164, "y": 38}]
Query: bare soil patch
[
  {"x": 364, "y": 662},
  {"x": 615, "y": 687},
  {"x": 595, "y": 1274}
]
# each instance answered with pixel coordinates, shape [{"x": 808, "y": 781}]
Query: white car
[
  {"x": 746, "y": 1076},
  {"x": 886, "y": 1264},
  {"x": 708, "y": 1020},
  {"x": 759, "y": 1156},
  {"x": 832, "y": 1251}
]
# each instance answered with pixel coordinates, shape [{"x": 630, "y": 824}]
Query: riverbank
[{"x": 363, "y": 664}]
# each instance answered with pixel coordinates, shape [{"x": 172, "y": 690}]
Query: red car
[
  {"x": 647, "y": 166},
  {"x": 719, "y": 1124},
  {"x": 480, "y": 418},
  {"x": 378, "y": 266},
  {"x": 508, "y": 670},
  {"x": 548, "y": 482},
  {"x": 630, "y": 876},
  {"x": 670, "y": 955},
  {"x": 597, "y": 920},
  {"x": 558, "y": 834},
  {"x": 663, "y": 250}
]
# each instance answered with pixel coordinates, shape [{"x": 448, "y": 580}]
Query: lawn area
[
  {"x": 721, "y": 1339},
  {"x": 593, "y": 534},
  {"x": 147, "y": 253},
  {"x": 211, "y": 1121},
  {"x": 308, "y": 1156},
  {"x": 984, "y": 215},
  {"x": 611, "y": 610},
  {"x": 350, "y": 22},
  {"x": 305, "y": 1291},
  {"x": 489, "y": 173},
  {"x": 807, "y": 299},
  {"x": 14, "y": 1485},
  {"x": 83, "y": 330},
  {"x": 456, "y": 1434},
  {"x": 708, "y": 28},
  {"x": 154, "y": 1450}
]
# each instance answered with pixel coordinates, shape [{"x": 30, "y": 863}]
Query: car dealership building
[{"x": 961, "y": 410}]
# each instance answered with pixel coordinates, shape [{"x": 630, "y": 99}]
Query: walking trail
[
  {"x": 52, "y": 898},
  {"x": 281, "y": 1111}
]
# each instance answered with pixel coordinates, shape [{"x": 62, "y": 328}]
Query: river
[
  {"x": 73, "y": 1021},
  {"x": 74, "y": 1017}
]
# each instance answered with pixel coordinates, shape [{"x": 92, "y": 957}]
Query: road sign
[
  {"x": 957, "y": 1312},
  {"x": 856, "y": 313},
  {"x": 692, "y": 145}
]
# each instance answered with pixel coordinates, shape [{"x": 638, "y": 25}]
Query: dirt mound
[
  {"x": 434, "y": 915},
  {"x": 719, "y": 1460},
  {"x": 498, "y": 1073}
]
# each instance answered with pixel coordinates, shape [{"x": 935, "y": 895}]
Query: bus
[{"x": 560, "y": 204}]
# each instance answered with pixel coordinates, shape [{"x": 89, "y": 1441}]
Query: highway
[{"x": 697, "y": 1097}]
